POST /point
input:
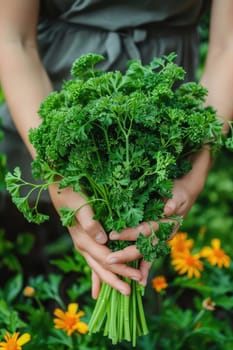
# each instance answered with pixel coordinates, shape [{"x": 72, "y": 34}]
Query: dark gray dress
[{"x": 118, "y": 29}]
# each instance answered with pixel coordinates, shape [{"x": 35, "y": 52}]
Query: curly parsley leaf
[{"x": 121, "y": 138}]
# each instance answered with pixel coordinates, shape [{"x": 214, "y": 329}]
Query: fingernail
[
  {"x": 142, "y": 283},
  {"x": 114, "y": 235},
  {"x": 168, "y": 209},
  {"x": 112, "y": 261},
  {"x": 122, "y": 291},
  {"x": 100, "y": 237},
  {"x": 135, "y": 278}
]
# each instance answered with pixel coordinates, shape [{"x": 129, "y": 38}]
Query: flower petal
[
  {"x": 216, "y": 243},
  {"x": 59, "y": 313},
  {"x": 23, "y": 339},
  {"x": 82, "y": 327},
  {"x": 72, "y": 308}
]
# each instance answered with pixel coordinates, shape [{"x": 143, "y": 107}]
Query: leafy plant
[
  {"x": 120, "y": 140},
  {"x": 188, "y": 313},
  {"x": 9, "y": 254}
]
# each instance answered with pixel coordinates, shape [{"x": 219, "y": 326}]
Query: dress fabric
[{"x": 120, "y": 30}]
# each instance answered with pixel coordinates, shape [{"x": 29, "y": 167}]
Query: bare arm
[
  {"x": 22, "y": 75},
  {"x": 218, "y": 71},
  {"x": 218, "y": 79}
]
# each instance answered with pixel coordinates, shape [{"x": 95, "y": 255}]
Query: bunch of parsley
[{"x": 121, "y": 139}]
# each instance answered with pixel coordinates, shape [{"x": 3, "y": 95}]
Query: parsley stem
[
  {"x": 119, "y": 317},
  {"x": 127, "y": 152}
]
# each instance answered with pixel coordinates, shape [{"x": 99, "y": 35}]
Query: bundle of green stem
[
  {"x": 120, "y": 138},
  {"x": 119, "y": 317}
]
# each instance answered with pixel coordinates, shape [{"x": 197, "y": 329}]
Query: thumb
[
  {"x": 170, "y": 207},
  {"x": 91, "y": 226}
]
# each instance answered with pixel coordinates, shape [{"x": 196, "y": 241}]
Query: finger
[
  {"x": 170, "y": 207},
  {"x": 180, "y": 203},
  {"x": 92, "y": 227},
  {"x": 175, "y": 206},
  {"x": 131, "y": 254},
  {"x": 176, "y": 225},
  {"x": 95, "y": 284},
  {"x": 84, "y": 215},
  {"x": 107, "y": 276},
  {"x": 144, "y": 268},
  {"x": 127, "y": 254},
  {"x": 131, "y": 234},
  {"x": 86, "y": 245}
]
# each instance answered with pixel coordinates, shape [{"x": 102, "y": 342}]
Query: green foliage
[
  {"x": 177, "y": 318},
  {"x": 10, "y": 253},
  {"x": 33, "y": 314},
  {"x": 1, "y": 96},
  {"x": 180, "y": 316},
  {"x": 213, "y": 209},
  {"x": 2, "y": 159},
  {"x": 149, "y": 247}
]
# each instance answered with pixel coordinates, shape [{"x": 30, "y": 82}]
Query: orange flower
[
  {"x": 216, "y": 255},
  {"x": 188, "y": 263},
  {"x": 159, "y": 283},
  {"x": 69, "y": 320},
  {"x": 14, "y": 342},
  {"x": 180, "y": 244},
  {"x": 29, "y": 291}
]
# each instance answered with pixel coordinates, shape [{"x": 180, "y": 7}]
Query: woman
[{"x": 39, "y": 40}]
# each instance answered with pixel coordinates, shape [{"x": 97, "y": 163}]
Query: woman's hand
[
  {"x": 131, "y": 253},
  {"x": 89, "y": 239},
  {"x": 185, "y": 194},
  {"x": 187, "y": 188}
]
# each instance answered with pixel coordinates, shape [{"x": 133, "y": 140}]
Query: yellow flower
[
  {"x": 180, "y": 244},
  {"x": 216, "y": 255},
  {"x": 188, "y": 263},
  {"x": 69, "y": 320},
  {"x": 14, "y": 342},
  {"x": 29, "y": 291},
  {"x": 159, "y": 283}
]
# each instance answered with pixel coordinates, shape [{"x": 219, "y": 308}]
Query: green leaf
[
  {"x": 226, "y": 302},
  {"x": 13, "y": 288},
  {"x": 67, "y": 264},
  {"x": 67, "y": 216},
  {"x": 209, "y": 333},
  {"x": 83, "y": 67},
  {"x": 195, "y": 284},
  {"x": 25, "y": 242},
  {"x": 60, "y": 338}
]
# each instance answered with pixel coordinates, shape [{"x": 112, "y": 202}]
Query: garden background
[{"x": 186, "y": 308}]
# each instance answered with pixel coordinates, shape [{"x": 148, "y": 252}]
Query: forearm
[
  {"x": 218, "y": 71},
  {"x": 25, "y": 85},
  {"x": 218, "y": 79}
]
